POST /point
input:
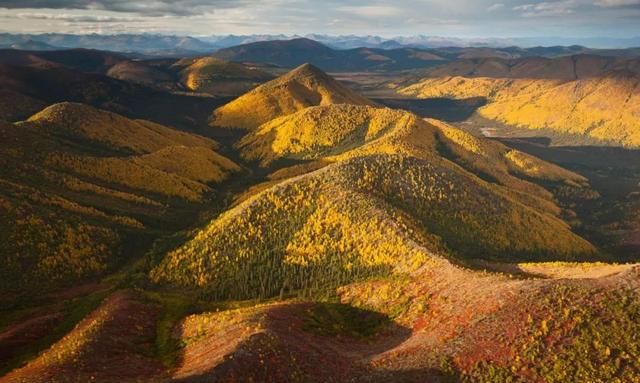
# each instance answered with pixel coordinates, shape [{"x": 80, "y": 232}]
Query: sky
[{"x": 459, "y": 18}]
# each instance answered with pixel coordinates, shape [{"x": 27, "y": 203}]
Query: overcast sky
[{"x": 463, "y": 18}]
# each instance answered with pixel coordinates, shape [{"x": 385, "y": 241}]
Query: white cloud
[
  {"x": 547, "y": 9},
  {"x": 371, "y": 11},
  {"x": 495, "y": 7},
  {"x": 617, "y": 3}
]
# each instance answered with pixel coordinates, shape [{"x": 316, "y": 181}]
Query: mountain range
[
  {"x": 245, "y": 216},
  {"x": 177, "y": 46}
]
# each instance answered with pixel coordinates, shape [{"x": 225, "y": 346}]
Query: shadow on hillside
[
  {"x": 611, "y": 221},
  {"x": 445, "y": 109},
  {"x": 306, "y": 342}
]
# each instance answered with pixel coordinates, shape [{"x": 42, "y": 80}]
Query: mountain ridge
[{"x": 302, "y": 87}]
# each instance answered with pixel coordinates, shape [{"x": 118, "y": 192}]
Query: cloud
[
  {"x": 467, "y": 18},
  {"x": 618, "y": 3},
  {"x": 370, "y": 11},
  {"x": 547, "y": 9},
  {"x": 77, "y": 18},
  {"x": 143, "y": 7}
]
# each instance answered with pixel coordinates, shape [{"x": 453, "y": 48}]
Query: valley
[{"x": 280, "y": 212}]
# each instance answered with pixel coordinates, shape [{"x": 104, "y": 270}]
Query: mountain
[
  {"x": 287, "y": 53},
  {"x": 183, "y": 46},
  {"x": 329, "y": 239},
  {"x": 140, "y": 43},
  {"x": 214, "y": 76},
  {"x": 205, "y": 75},
  {"x": 80, "y": 186},
  {"x": 38, "y": 81},
  {"x": 30, "y": 45},
  {"x": 291, "y": 53},
  {"x": 390, "y": 189},
  {"x": 588, "y": 97},
  {"x": 316, "y": 132},
  {"x": 302, "y": 87},
  {"x": 142, "y": 73}
]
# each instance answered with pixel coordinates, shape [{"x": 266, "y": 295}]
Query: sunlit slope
[
  {"x": 140, "y": 72},
  {"x": 218, "y": 77},
  {"x": 303, "y": 87},
  {"x": 319, "y": 131},
  {"x": 601, "y": 102},
  {"x": 327, "y": 131},
  {"x": 76, "y": 182},
  {"x": 81, "y": 122},
  {"x": 332, "y": 132},
  {"x": 387, "y": 206}
]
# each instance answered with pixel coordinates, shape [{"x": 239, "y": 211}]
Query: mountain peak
[
  {"x": 302, "y": 87},
  {"x": 306, "y": 70}
]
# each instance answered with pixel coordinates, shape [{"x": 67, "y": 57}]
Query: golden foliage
[
  {"x": 131, "y": 174},
  {"x": 45, "y": 245},
  {"x": 296, "y": 235},
  {"x": 303, "y": 87},
  {"x": 318, "y": 131},
  {"x": 605, "y": 108},
  {"x": 365, "y": 216},
  {"x": 215, "y": 76},
  {"x": 80, "y": 122}
]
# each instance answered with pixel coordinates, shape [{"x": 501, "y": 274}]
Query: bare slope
[{"x": 303, "y": 87}]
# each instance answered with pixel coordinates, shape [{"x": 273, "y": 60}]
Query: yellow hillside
[
  {"x": 605, "y": 108},
  {"x": 77, "y": 182},
  {"x": 337, "y": 132},
  {"x": 318, "y": 131},
  {"x": 366, "y": 216},
  {"x": 82, "y": 122},
  {"x": 392, "y": 191},
  {"x": 219, "y": 77},
  {"x": 303, "y": 87}
]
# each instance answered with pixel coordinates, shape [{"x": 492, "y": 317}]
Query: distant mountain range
[
  {"x": 291, "y": 53},
  {"x": 180, "y": 46}
]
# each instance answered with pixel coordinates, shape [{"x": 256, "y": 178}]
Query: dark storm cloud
[{"x": 143, "y": 7}]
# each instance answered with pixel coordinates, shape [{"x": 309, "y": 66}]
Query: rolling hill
[
  {"x": 49, "y": 83},
  {"x": 292, "y": 53},
  {"x": 81, "y": 186},
  {"x": 585, "y": 96},
  {"x": 200, "y": 74},
  {"x": 218, "y": 77},
  {"x": 327, "y": 238},
  {"x": 302, "y": 87},
  {"x": 390, "y": 190}
]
